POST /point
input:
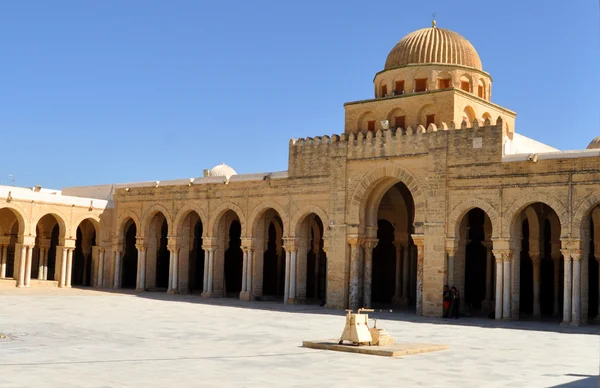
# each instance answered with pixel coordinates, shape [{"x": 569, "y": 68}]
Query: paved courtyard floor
[{"x": 85, "y": 338}]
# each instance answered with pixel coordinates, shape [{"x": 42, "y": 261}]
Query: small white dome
[
  {"x": 595, "y": 144},
  {"x": 222, "y": 170}
]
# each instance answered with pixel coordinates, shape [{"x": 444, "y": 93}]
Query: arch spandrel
[
  {"x": 149, "y": 214},
  {"x": 260, "y": 209},
  {"x": 184, "y": 212},
  {"x": 19, "y": 213},
  {"x": 460, "y": 211},
  {"x": 92, "y": 218},
  {"x": 217, "y": 213},
  {"x": 373, "y": 185},
  {"x": 60, "y": 219},
  {"x": 300, "y": 215},
  {"x": 122, "y": 220},
  {"x": 529, "y": 198},
  {"x": 582, "y": 214}
]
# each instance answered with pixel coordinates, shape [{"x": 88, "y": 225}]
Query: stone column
[
  {"x": 405, "y": 274},
  {"x": 210, "y": 268},
  {"x": 63, "y": 267},
  {"x": 28, "y": 263},
  {"x": 41, "y": 264},
  {"x": 369, "y": 245},
  {"x": 419, "y": 241},
  {"x": 173, "y": 270},
  {"x": 535, "y": 260},
  {"x": 249, "y": 288},
  {"x": 499, "y": 281},
  {"x": 141, "y": 270},
  {"x": 101, "y": 254},
  {"x": 205, "y": 277},
  {"x": 506, "y": 286},
  {"x": 489, "y": 282},
  {"x": 576, "y": 256},
  {"x": 293, "y": 258},
  {"x": 69, "y": 267},
  {"x": 46, "y": 249},
  {"x": 3, "y": 261},
  {"x": 286, "y": 286},
  {"x": 556, "y": 273},
  {"x": 117, "y": 272},
  {"x": 353, "y": 302},
  {"x": 567, "y": 296},
  {"x": 20, "y": 271},
  {"x": 244, "y": 271}
]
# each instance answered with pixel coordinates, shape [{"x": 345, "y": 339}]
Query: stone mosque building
[{"x": 428, "y": 184}]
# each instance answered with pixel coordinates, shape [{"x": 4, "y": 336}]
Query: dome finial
[{"x": 433, "y": 23}]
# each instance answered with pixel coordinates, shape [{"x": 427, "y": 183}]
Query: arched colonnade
[
  {"x": 47, "y": 248},
  {"x": 265, "y": 255}
]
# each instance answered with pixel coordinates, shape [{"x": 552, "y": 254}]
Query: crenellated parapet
[{"x": 312, "y": 156}]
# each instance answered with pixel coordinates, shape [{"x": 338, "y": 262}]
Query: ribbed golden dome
[
  {"x": 595, "y": 144},
  {"x": 433, "y": 45}
]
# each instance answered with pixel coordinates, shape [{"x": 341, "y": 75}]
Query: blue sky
[{"x": 113, "y": 91}]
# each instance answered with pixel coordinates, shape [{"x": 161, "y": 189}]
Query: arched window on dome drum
[
  {"x": 420, "y": 84},
  {"x": 443, "y": 83},
  {"x": 399, "y": 88},
  {"x": 384, "y": 91},
  {"x": 465, "y": 85},
  {"x": 481, "y": 89}
]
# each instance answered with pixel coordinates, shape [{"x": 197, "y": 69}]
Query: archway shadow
[
  {"x": 400, "y": 315},
  {"x": 585, "y": 382}
]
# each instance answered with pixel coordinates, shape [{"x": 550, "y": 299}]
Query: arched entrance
[
  {"x": 394, "y": 261},
  {"x": 593, "y": 264},
  {"x": 312, "y": 282},
  {"x": 234, "y": 261},
  {"x": 9, "y": 233},
  {"x": 228, "y": 256},
  {"x": 81, "y": 273},
  {"x": 540, "y": 262},
  {"x": 158, "y": 255},
  {"x": 473, "y": 265},
  {"x": 273, "y": 264},
  {"x": 129, "y": 260},
  {"x": 268, "y": 232},
  {"x": 191, "y": 254},
  {"x": 44, "y": 253}
]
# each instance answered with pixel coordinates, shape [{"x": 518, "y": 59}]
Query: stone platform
[
  {"x": 395, "y": 350},
  {"x": 35, "y": 283}
]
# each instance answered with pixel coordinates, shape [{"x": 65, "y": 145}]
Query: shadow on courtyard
[
  {"x": 389, "y": 313},
  {"x": 585, "y": 382}
]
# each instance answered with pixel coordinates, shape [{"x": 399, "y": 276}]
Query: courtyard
[{"x": 89, "y": 338}]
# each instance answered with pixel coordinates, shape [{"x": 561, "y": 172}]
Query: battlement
[{"x": 312, "y": 155}]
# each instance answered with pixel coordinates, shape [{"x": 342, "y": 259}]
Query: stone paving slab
[
  {"x": 395, "y": 350},
  {"x": 87, "y": 338}
]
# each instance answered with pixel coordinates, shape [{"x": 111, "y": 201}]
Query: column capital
[
  {"x": 290, "y": 244},
  {"x": 571, "y": 243},
  {"x": 248, "y": 243},
  {"x": 354, "y": 240},
  {"x": 566, "y": 254},
  {"x": 418, "y": 240},
  {"x": 597, "y": 257},
  {"x": 502, "y": 255},
  {"x": 172, "y": 243},
  {"x": 370, "y": 243},
  {"x": 488, "y": 244},
  {"x": 535, "y": 258},
  {"x": 577, "y": 254},
  {"x": 141, "y": 247}
]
